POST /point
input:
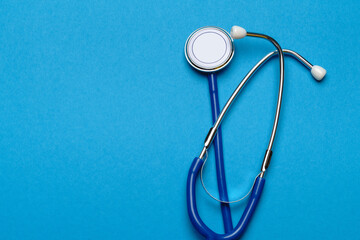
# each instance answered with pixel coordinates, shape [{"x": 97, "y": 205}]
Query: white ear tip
[
  {"x": 238, "y": 32},
  {"x": 318, "y": 72}
]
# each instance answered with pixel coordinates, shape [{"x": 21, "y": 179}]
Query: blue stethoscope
[{"x": 210, "y": 49}]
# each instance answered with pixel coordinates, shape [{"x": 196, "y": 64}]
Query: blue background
[{"x": 101, "y": 116}]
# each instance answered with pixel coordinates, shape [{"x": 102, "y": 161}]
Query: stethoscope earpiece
[
  {"x": 238, "y": 32},
  {"x": 318, "y": 72}
]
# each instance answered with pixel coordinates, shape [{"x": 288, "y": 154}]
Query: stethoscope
[{"x": 210, "y": 49}]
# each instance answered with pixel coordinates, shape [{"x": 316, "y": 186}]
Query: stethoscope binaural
[{"x": 210, "y": 49}]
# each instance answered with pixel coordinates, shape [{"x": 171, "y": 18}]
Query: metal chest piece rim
[{"x": 209, "y": 49}]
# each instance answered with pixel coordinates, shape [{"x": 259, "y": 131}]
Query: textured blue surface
[{"x": 101, "y": 116}]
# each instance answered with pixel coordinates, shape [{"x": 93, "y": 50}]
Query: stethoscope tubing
[
  {"x": 219, "y": 156},
  {"x": 195, "y": 217}
]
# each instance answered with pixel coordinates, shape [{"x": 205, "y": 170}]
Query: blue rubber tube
[
  {"x": 219, "y": 156},
  {"x": 194, "y": 215}
]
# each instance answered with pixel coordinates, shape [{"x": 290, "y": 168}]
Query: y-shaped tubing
[
  {"x": 258, "y": 186},
  {"x": 195, "y": 217}
]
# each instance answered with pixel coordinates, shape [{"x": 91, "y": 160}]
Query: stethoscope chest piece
[{"x": 209, "y": 49}]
